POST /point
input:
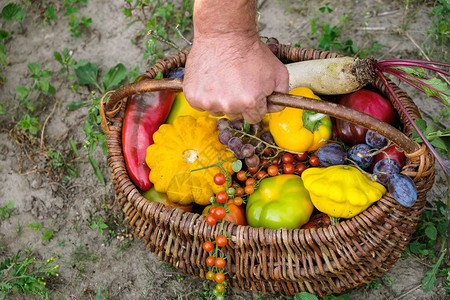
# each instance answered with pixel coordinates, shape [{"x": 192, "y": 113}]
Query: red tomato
[
  {"x": 314, "y": 161},
  {"x": 287, "y": 158},
  {"x": 210, "y": 261},
  {"x": 253, "y": 170},
  {"x": 249, "y": 189},
  {"x": 239, "y": 191},
  {"x": 219, "y": 277},
  {"x": 220, "y": 263},
  {"x": 221, "y": 240},
  {"x": 222, "y": 197},
  {"x": 300, "y": 168},
  {"x": 320, "y": 220},
  {"x": 273, "y": 170},
  {"x": 301, "y": 157},
  {"x": 208, "y": 246},
  {"x": 241, "y": 175},
  {"x": 288, "y": 168},
  {"x": 211, "y": 220},
  {"x": 261, "y": 174},
  {"x": 219, "y": 179},
  {"x": 236, "y": 214},
  {"x": 220, "y": 213},
  {"x": 250, "y": 181}
]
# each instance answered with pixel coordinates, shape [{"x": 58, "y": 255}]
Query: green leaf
[
  {"x": 439, "y": 143},
  {"x": 14, "y": 12},
  {"x": 73, "y": 146},
  {"x": 47, "y": 235},
  {"x": 35, "y": 226},
  {"x": 305, "y": 296},
  {"x": 74, "y": 105},
  {"x": 34, "y": 68},
  {"x": 44, "y": 86},
  {"x": 236, "y": 166},
  {"x": 22, "y": 91},
  {"x": 441, "y": 87},
  {"x": 430, "y": 279},
  {"x": 160, "y": 75},
  {"x": 431, "y": 232},
  {"x": 2, "y": 55},
  {"x": 87, "y": 74},
  {"x": 58, "y": 57},
  {"x": 4, "y": 34},
  {"x": 114, "y": 76},
  {"x": 97, "y": 171}
]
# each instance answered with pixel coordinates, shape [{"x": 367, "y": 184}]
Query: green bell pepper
[{"x": 280, "y": 201}]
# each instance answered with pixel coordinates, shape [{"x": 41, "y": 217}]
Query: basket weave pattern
[{"x": 327, "y": 260}]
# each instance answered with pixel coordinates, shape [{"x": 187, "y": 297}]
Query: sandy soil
[{"x": 122, "y": 267}]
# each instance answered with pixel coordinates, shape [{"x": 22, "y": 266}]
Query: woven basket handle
[{"x": 328, "y": 108}]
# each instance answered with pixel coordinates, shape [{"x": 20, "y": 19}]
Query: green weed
[
  {"x": 165, "y": 18},
  {"x": 5, "y": 211},
  {"x": 60, "y": 162},
  {"x": 430, "y": 240},
  {"x": 76, "y": 24},
  {"x": 98, "y": 224},
  {"x": 30, "y": 125},
  {"x": 47, "y": 233},
  {"x": 22, "y": 273}
]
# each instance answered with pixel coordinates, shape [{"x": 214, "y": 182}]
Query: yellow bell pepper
[
  {"x": 341, "y": 191},
  {"x": 298, "y": 130}
]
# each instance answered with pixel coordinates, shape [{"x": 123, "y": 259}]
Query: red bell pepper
[
  {"x": 143, "y": 116},
  {"x": 367, "y": 102}
]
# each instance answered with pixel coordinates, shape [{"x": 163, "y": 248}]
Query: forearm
[{"x": 212, "y": 17}]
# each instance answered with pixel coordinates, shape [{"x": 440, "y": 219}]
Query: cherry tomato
[
  {"x": 288, "y": 168},
  {"x": 222, "y": 197},
  {"x": 219, "y": 277},
  {"x": 219, "y": 179},
  {"x": 263, "y": 162},
  {"x": 276, "y": 161},
  {"x": 220, "y": 213},
  {"x": 249, "y": 189},
  {"x": 287, "y": 158},
  {"x": 261, "y": 174},
  {"x": 250, "y": 181},
  {"x": 314, "y": 161},
  {"x": 237, "y": 201},
  {"x": 239, "y": 191},
  {"x": 210, "y": 261},
  {"x": 210, "y": 275},
  {"x": 301, "y": 157},
  {"x": 221, "y": 240},
  {"x": 211, "y": 219},
  {"x": 220, "y": 287},
  {"x": 272, "y": 170},
  {"x": 241, "y": 175},
  {"x": 253, "y": 170},
  {"x": 212, "y": 210},
  {"x": 220, "y": 262},
  {"x": 300, "y": 168},
  {"x": 267, "y": 152},
  {"x": 208, "y": 246}
]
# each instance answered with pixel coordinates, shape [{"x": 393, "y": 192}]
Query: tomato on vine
[
  {"x": 220, "y": 212},
  {"x": 314, "y": 161},
  {"x": 238, "y": 201},
  {"x": 239, "y": 191},
  {"x": 261, "y": 174},
  {"x": 221, "y": 240},
  {"x": 249, "y": 189},
  {"x": 222, "y": 197},
  {"x": 208, "y": 246},
  {"x": 250, "y": 181},
  {"x": 210, "y": 275},
  {"x": 253, "y": 170},
  {"x": 300, "y": 168},
  {"x": 211, "y": 219},
  {"x": 219, "y": 277},
  {"x": 273, "y": 170},
  {"x": 220, "y": 287},
  {"x": 301, "y": 157},
  {"x": 241, "y": 175},
  {"x": 288, "y": 168},
  {"x": 219, "y": 178},
  {"x": 210, "y": 261},
  {"x": 220, "y": 262},
  {"x": 287, "y": 158}
]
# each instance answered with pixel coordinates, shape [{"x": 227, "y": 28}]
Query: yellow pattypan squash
[
  {"x": 341, "y": 191},
  {"x": 187, "y": 144}
]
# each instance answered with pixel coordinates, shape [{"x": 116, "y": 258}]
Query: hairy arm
[{"x": 229, "y": 71}]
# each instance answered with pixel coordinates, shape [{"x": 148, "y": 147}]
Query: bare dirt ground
[{"x": 120, "y": 266}]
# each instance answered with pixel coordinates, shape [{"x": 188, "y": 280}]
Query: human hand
[{"x": 232, "y": 74}]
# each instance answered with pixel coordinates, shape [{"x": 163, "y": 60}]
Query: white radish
[{"x": 332, "y": 76}]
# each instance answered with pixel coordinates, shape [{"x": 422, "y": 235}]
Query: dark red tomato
[
  {"x": 391, "y": 153},
  {"x": 367, "y": 102},
  {"x": 314, "y": 161},
  {"x": 320, "y": 220}
]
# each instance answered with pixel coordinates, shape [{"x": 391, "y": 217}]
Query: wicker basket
[{"x": 330, "y": 260}]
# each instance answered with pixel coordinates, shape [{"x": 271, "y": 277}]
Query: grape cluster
[{"x": 247, "y": 141}]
